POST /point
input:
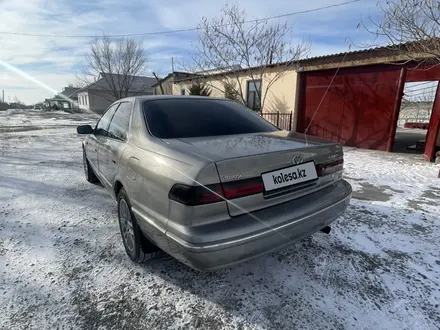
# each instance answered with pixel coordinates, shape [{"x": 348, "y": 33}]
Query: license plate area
[{"x": 289, "y": 176}]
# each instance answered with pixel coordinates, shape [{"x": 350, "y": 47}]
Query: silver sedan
[{"x": 209, "y": 181}]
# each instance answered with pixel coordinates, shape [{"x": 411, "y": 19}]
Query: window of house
[
  {"x": 121, "y": 121},
  {"x": 79, "y": 100},
  {"x": 86, "y": 99},
  {"x": 182, "y": 91},
  {"x": 253, "y": 94}
]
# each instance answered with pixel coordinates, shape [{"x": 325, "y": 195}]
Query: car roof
[{"x": 169, "y": 97}]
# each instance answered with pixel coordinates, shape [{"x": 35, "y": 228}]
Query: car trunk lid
[{"x": 267, "y": 168}]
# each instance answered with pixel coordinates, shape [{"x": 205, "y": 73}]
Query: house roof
[
  {"x": 405, "y": 47},
  {"x": 70, "y": 91},
  {"x": 138, "y": 84},
  {"x": 368, "y": 53},
  {"x": 173, "y": 74},
  {"x": 360, "y": 51},
  {"x": 67, "y": 92}
]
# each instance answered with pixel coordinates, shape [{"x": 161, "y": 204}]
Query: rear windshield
[{"x": 184, "y": 118}]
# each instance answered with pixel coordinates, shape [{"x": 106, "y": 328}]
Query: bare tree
[
  {"x": 199, "y": 88},
  {"x": 231, "y": 91},
  {"x": 231, "y": 45},
  {"x": 16, "y": 104},
  {"x": 117, "y": 62},
  {"x": 411, "y": 27},
  {"x": 417, "y": 105}
]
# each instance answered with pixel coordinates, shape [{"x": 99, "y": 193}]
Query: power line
[
  {"x": 177, "y": 31},
  {"x": 423, "y": 83},
  {"x": 420, "y": 94},
  {"x": 420, "y": 89}
]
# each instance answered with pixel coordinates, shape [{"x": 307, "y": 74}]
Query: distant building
[
  {"x": 100, "y": 94},
  {"x": 352, "y": 98},
  {"x": 67, "y": 99},
  {"x": 414, "y": 112},
  {"x": 168, "y": 83}
]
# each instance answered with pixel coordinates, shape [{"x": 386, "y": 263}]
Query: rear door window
[
  {"x": 121, "y": 121},
  {"x": 186, "y": 117}
]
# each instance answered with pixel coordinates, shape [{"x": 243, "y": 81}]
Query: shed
[{"x": 354, "y": 98}]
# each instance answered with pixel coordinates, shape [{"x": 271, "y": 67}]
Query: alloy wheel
[{"x": 126, "y": 225}]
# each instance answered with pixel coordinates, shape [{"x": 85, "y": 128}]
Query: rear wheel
[
  {"x": 88, "y": 171},
  {"x": 138, "y": 248}
]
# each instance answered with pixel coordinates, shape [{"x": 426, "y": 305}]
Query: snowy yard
[{"x": 63, "y": 266}]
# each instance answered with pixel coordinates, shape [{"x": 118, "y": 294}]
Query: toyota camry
[{"x": 209, "y": 181}]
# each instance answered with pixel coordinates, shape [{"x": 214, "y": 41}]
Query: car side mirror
[{"x": 84, "y": 129}]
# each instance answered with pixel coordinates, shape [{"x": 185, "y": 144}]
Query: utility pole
[
  {"x": 3, "y": 95},
  {"x": 172, "y": 64}
]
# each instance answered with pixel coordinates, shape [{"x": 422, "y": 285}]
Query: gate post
[
  {"x": 278, "y": 119},
  {"x": 290, "y": 120},
  {"x": 396, "y": 110}
]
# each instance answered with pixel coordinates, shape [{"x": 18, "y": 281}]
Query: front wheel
[{"x": 138, "y": 248}]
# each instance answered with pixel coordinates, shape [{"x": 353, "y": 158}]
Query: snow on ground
[
  {"x": 62, "y": 263},
  {"x": 15, "y": 120}
]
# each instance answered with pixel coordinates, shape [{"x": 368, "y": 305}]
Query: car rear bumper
[{"x": 294, "y": 220}]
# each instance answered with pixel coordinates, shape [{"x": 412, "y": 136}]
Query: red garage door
[{"x": 356, "y": 110}]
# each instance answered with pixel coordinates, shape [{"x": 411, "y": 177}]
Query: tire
[
  {"x": 88, "y": 171},
  {"x": 137, "y": 247}
]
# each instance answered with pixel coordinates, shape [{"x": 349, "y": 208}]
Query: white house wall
[
  {"x": 82, "y": 97},
  {"x": 99, "y": 100},
  {"x": 280, "y": 96}
]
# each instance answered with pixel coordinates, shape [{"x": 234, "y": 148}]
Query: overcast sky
[{"x": 54, "y": 61}]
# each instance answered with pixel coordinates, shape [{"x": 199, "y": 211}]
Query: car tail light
[
  {"x": 241, "y": 188},
  {"x": 329, "y": 168},
  {"x": 196, "y": 195},
  {"x": 200, "y": 195}
]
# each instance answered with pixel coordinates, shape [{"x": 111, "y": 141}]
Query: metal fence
[
  {"x": 279, "y": 119},
  {"x": 321, "y": 131},
  {"x": 415, "y": 113}
]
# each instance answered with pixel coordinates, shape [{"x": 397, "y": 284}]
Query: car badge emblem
[{"x": 297, "y": 160}]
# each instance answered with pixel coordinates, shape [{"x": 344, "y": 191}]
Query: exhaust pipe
[{"x": 326, "y": 230}]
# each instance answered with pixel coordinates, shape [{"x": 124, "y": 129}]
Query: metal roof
[
  {"x": 361, "y": 51},
  {"x": 138, "y": 84},
  {"x": 405, "y": 46},
  {"x": 375, "y": 50}
]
